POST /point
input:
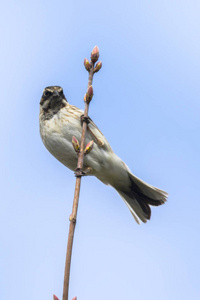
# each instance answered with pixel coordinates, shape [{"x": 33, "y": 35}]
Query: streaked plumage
[{"x": 59, "y": 121}]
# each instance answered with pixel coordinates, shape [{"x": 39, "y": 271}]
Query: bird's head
[{"x": 53, "y": 99}]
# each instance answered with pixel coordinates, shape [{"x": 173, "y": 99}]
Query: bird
[{"x": 60, "y": 121}]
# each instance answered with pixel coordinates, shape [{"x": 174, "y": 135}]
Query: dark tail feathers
[{"x": 139, "y": 196}]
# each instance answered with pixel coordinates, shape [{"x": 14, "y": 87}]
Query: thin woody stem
[{"x": 76, "y": 194}]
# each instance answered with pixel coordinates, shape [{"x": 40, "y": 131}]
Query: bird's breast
[{"x": 57, "y": 138}]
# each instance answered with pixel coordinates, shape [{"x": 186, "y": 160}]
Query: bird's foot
[
  {"x": 84, "y": 119},
  {"x": 79, "y": 172}
]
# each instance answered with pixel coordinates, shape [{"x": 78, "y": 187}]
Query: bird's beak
[{"x": 55, "y": 94}]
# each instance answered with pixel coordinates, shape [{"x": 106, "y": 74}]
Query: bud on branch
[
  {"x": 98, "y": 67},
  {"x": 88, "y": 147},
  {"x": 75, "y": 144},
  {"x": 90, "y": 91},
  {"x": 95, "y": 54},
  {"x": 88, "y": 96},
  {"x": 87, "y": 64}
]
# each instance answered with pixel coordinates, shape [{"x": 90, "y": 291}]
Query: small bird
[{"x": 60, "y": 121}]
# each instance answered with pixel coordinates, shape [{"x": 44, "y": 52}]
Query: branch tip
[{"x": 95, "y": 54}]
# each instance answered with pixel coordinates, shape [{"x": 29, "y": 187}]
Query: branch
[{"x": 82, "y": 151}]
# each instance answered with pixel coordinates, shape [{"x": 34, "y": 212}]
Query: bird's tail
[{"x": 139, "y": 195}]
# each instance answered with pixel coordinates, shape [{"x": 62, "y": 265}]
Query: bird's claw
[
  {"x": 85, "y": 119},
  {"x": 79, "y": 172}
]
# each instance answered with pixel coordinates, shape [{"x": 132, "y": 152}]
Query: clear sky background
[{"x": 147, "y": 104}]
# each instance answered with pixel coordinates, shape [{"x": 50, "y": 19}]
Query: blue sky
[{"x": 147, "y": 105}]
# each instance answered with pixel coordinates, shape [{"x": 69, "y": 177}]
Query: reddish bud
[
  {"x": 88, "y": 96},
  {"x": 55, "y": 298},
  {"x": 95, "y": 54},
  {"x": 75, "y": 144},
  {"x": 98, "y": 67},
  {"x": 87, "y": 64},
  {"x": 88, "y": 147},
  {"x": 75, "y": 298},
  {"x": 90, "y": 91}
]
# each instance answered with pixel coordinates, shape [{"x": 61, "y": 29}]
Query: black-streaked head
[{"x": 53, "y": 99}]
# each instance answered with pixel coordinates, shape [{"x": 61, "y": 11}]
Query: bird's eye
[
  {"x": 47, "y": 93},
  {"x": 61, "y": 93}
]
